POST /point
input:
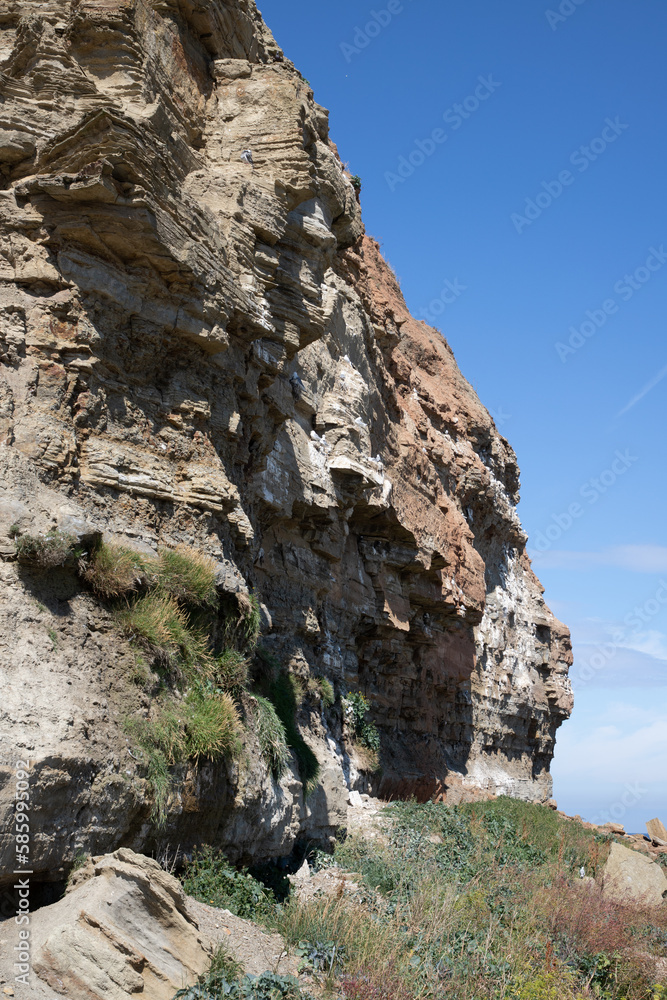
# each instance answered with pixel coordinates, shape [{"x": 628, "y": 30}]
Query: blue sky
[{"x": 542, "y": 200}]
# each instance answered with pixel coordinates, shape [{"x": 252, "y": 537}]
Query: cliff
[{"x": 203, "y": 351}]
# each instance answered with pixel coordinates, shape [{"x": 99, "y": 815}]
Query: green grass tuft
[
  {"x": 283, "y": 693},
  {"x": 272, "y": 739},
  {"x": 199, "y": 727},
  {"x": 188, "y": 576},
  {"x": 231, "y": 671},
  {"x": 212, "y": 727},
  {"x": 115, "y": 571},
  {"x": 156, "y": 620}
]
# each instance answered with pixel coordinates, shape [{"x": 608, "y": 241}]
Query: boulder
[
  {"x": 657, "y": 831},
  {"x": 629, "y": 877},
  {"x": 122, "y": 930}
]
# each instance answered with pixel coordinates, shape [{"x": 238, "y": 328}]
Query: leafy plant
[
  {"x": 356, "y": 708},
  {"x": 322, "y": 956},
  {"x": 268, "y": 986},
  {"x": 272, "y": 739},
  {"x": 211, "y": 879},
  {"x": 47, "y": 551},
  {"x": 14, "y": 531},
  {"x": 355, "y": 181}
]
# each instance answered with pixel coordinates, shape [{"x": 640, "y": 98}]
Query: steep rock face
[{"x": 197, "y": 349}]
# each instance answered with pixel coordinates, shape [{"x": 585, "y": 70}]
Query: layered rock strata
[{"x": 197, "y": 349}]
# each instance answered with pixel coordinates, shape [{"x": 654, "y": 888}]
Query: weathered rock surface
[
  {"x": 123, "y": 929},
  {"x": 197, "y": 350},
  {"x": 629, "y": 877}
]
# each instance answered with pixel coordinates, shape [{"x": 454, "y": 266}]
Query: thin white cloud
[
  {"x": 651, "y": 643},
  {"x": 635, "y": 558},
  {"x": 643, "y": 392}
]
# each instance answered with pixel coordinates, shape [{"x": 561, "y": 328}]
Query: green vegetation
[
  {"x": 321, "y": 689},
  {"x": 272, "y": 738},
  {"x": 48, "y": 551},
  {"x": 14, "y": 531},
  {"x": 211, "y": 879},
  {"x": 115, "y": 571},
  {"x": 479, "y": 902},
  {"x": 188, "y": 576},
  {"x": 53, "y": 636},
  {"x": 198, "y": 727},
  {"x": 284, "y": 693},
  {"x": 356, "y": 708},
  {"x": 231, "y": 671},
  {"x": 158, "y": 623},
  {"x": 268, "y": 986},
  {"x": 355, "y": 180}
]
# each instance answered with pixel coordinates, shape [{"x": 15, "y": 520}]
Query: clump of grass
[
  {"x": 210, "y": 878},
  {"x": 157, "y": 621},
  {"x": 243, "y": 622},
  {"x": 47, "y": 551},
  {"x": 212, "y": 728},
  {"x": 272, "y": 739},
  {"x": 14, "y": 531},
  {"x": 115, "y": 571},
  {"x": 283, "y": 694},
  {"x": 197, "y": 728},
  {"x": 231, "y": 671},
  {"x": 326, "y": 691},
  {"x": 188, "y": 576}
]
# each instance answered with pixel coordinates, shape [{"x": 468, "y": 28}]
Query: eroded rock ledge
[{"x": 199, "y": 350}]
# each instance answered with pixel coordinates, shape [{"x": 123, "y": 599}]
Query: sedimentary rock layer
[{"x": 196, "y": 349}]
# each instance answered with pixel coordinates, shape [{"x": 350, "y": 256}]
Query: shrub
[
  {"x": 188, "y": 576},
  {"x": 272, "y": 739},
  {"x": 356, "y": 708},
  {"x": 47, "y": 551},
  {"x": 355, "y": 181},
  {"x": 14, "y": 531},
  {"x": 114, "y": 571},
  {"x": 211, "y": 879},
  {"x": 231, "y": 671}
]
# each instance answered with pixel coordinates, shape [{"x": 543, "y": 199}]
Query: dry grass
[
  {"x": 114, "y": 571},
  {"x": 188, "y": 576},
  {"x": 482, "y": 902}
]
